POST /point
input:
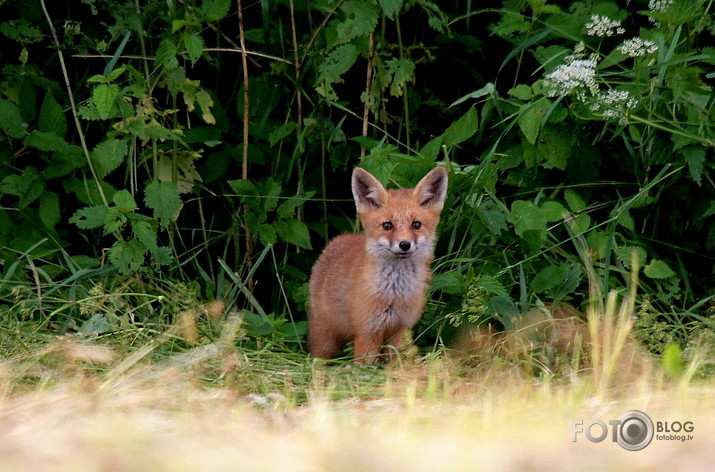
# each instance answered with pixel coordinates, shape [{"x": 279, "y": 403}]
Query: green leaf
[
  {"x": 128, "y": 256},
  {"x": 11, "y": 121},
  {"x": 553, "y": 211},
  {"x": 510, "y": 23},
  {"x": 379, "y": 166},
  {"x": 29, "y": 186},
  {"x": 115, "y": 222},
  {"x": 90, "y": 217},
  {"x": 695, "y": 158},
  {"x": 390, "y": 7},
  {"x": 108, "y": 155},
  {"x": 145, "y": 232},
  {"x": 462, "y": 129},
  {"x": 19, "y": 29},
  {"x": 492, "y": 285},
  {"x": 658, "y": 269},
  {"x": 574, "y": 201},
  {"x": 49, "y": 210},
  {"x": 194, "y": 46},
  {"x": 431, "y": 149},
  {"x": 531, "y": 118},
  {"x": 52, "y": 117},
  {"x": 400, "y": 71},
  {"x": 449, "y": 282},
  {"x": 114, "y": 75},
  {"x": 162, "y": 256},
  {"x": 96, "y": 324},
  {"x": 626, "y": 220},
  {"x": 436, "y": 19},
  {"x": 64, "y": 162},
  {"x": 205, "y": 103},
  {"x": 270, "y": 190},
  {"x": 330, "y": 71},
  {"x": 45, "y": 141},
  {"x": 104, "y": 97},
  {"x": 522, "y": 92},
  {"x": 176, "y": 25},
  {"x": 86, "y": 190},
  {"x": 554, "y": 147},
  {"x": 525, "y": 216},
  {"x": 267, "y": 234},
  {"x": 281, "y": 132},
  {"x": 567, "y": 283},
  {"x": 580, "y": 223},
  {"x": 166, "y": 54},
  {"x": 548, "y": 278},
  {"x": 164, "y": 199},
  {"x": 286, "y": 210},
  {"x": 98, "y": 79},
  {"x": 361, "y": 20},
  {"x": 247, "y": 192},
  {"x": 124, "y": 201},
  {"x": 493, "y": 217},
  {"x": 484, "y": 91},
  {"x": 625, "y": 255},
  {"x": 294, "y": 232},
  {"x": 214, "y": 10}
]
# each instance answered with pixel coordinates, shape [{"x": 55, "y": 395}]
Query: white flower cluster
[
  {"x": 659, "y": 6},
  {"x": 567, "y": 77},
  {"x": 603, "y": 26},
  {"x": 636, "y": 47},
  {"x": 614, "y": 104}
]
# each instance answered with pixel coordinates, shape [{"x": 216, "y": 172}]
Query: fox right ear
[{"x": 368, "y": 192}]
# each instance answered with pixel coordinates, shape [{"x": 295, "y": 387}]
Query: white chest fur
[{"x": 399, "y": 279}]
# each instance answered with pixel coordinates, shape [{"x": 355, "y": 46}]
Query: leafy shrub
[{"x": 571, "y": 130}]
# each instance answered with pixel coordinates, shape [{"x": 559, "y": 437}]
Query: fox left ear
[{"x": 431, "y": 191}]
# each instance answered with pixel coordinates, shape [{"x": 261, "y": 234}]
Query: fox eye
[
  {"x": 387, "y": 225},
  {"x": 416, "y": 224}
]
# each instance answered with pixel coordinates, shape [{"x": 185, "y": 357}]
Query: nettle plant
[{"x": 632, "y": 88}]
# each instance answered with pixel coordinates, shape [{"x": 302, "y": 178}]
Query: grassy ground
[{"x": 74, "y": 404}]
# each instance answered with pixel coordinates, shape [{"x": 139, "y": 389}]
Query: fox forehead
[{"x": 399, "y": 209}]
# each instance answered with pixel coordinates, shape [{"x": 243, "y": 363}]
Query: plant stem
[
  {"x": 73, "y": 106},
  {"x": 246, "y": 105},
  {"x": 368, "y": 86}
]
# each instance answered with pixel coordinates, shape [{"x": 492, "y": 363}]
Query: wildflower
[
  {"x": 567, "y": 77},
  {"x": 603, "y": 26},
  {"x": 636, "y": 47},
  {"x": 658, "y": 6},
  {"x": 614, "y": 104}
]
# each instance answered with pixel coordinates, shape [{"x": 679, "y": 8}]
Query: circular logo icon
[{"x": 636, "y": 430}]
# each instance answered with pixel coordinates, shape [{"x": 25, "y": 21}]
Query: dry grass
[
  {"x": 420, "y": 418},
  {"x": 76, "y": 406}
]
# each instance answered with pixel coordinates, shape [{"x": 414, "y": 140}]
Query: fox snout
[{"x": 405, "y": 248}]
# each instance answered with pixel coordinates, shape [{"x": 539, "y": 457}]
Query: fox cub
[{"x": 370, "y": 288}]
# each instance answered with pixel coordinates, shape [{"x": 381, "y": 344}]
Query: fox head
[{"x": 400, "y": 224}]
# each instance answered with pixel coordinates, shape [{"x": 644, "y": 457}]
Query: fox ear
[
  {"x": 368, "y": 192},
  {"x": 431, "y": 191}
]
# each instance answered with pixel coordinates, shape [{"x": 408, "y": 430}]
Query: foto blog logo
[{"x": 633, "y": 430}]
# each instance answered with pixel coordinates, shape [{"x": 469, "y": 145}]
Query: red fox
[{"x": 370, "y": 288}]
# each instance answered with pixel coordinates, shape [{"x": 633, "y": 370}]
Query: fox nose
[{"x": 405, "y": 245}]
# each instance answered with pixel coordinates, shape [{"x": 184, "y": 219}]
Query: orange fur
[{"x": 370, "y": 288}]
